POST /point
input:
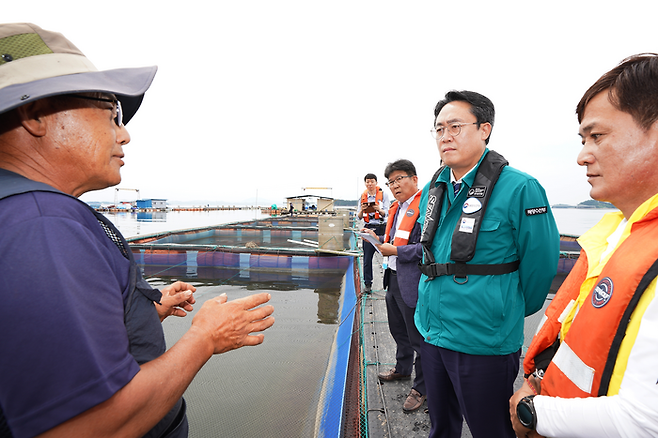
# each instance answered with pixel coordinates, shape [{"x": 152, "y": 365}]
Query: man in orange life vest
[
  {"x": 373, "y": 208},
  {"x": 402, "y": 246},
  {"x": 601, "y": 328}
]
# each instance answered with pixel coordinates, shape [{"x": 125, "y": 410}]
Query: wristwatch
[{"x": 525, "y": 410}]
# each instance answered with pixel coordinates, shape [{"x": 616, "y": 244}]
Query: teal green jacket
[{"x": 485, "y": 315}]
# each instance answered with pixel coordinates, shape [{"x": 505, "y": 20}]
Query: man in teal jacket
[{"x": 491, "y": 251}]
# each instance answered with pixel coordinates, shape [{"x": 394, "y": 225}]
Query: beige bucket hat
[{"x": 36, "y": 63}]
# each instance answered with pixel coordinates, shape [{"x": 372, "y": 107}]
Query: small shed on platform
[
  {"x": 159, "y": 204},
  {"x": 311, "y": 203}
]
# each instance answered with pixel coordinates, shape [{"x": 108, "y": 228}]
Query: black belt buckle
[{"x": 431, "y": 270}]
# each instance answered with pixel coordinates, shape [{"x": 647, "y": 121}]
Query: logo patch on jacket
[
  {"x": 602, "y": 293},
  {"x": 471, "y": 206},
  {"x": 477, "y": 192},
  {"x": 410, "y": 212},
  {"x": 536, "y": 210},
  {"x": 467, "y": 225}
]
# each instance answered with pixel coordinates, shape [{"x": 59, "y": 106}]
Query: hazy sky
[{"x": 254, "y": 100}]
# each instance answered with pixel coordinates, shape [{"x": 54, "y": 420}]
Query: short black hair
[
  {"x": 632, "y": 88},
  {"x": 403, "y": 165},
  {"x": 370, "y": 176},
  {"x": 481, "y": 106}
]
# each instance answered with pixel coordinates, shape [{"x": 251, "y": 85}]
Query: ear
[
  {"x": 31, "y": 116},
  {"x": 486, "y": 130}
]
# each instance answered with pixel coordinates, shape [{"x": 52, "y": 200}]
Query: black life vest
[{"x": 463, "y": 244}]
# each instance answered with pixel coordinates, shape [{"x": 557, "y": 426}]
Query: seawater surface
[
  {"x": 132, "y": 224},
  {"x": 575, "y": 221},
  {"x": 272, "y": 389}
]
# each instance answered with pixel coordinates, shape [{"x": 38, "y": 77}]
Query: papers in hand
[{"x": 375, "y": 241}]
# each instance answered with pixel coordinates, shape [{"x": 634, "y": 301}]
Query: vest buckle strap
[
  {"x": 433, "y": 270},
  {"x": 463, "y": 270}
]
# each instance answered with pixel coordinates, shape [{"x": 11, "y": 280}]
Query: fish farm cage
[{"x": 305, "y": 380}]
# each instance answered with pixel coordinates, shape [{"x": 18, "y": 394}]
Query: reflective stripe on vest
[
  {"x": 573, "y": 368},
  {"x": 402, "y": 235},
  {"x": 463, "y": 244},
  {"x": 586, "y": 358}
]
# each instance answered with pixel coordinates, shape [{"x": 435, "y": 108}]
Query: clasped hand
[{"x": 177, "y": 300}]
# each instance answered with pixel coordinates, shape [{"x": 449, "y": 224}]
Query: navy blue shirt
[{"x": 64, "y": 284}]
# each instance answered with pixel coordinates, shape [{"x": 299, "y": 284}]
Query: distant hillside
[
  {"x": 594, "y": 204},
  {"x": 345, "y": 203},
  {"x": 586, "y": 204}
]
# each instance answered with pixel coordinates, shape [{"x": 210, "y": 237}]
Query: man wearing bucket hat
[{"x": 83, "y": 351}]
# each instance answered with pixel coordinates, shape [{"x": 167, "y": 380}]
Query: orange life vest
[
  {"x": 407, "y": 224},
  {"x": 583, "y": 365},
  {"x": 379, "y": 197}
]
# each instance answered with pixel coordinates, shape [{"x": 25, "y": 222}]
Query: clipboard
[{"x": 375, "y": 242}]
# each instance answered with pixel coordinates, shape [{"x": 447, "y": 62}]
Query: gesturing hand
[{"x": 229, "y": 324}]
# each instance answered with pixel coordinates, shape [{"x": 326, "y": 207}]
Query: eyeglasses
[
  {"x": 397, "y": 180},
  {"x": 118, "y": 119},
  {"x": 454, "y": 129}
]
